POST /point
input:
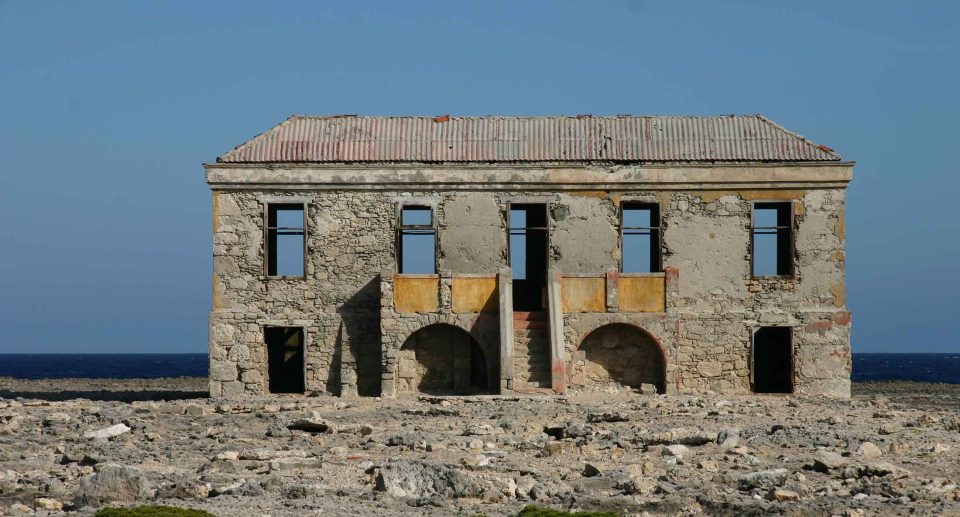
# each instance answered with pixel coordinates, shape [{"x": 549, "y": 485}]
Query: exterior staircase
[{"x": 531, "y": 350}]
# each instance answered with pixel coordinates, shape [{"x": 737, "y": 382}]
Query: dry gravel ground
[{"x": 891, "y": 450}]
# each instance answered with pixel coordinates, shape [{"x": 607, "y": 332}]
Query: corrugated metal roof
[{"x": 314, "y": 139}]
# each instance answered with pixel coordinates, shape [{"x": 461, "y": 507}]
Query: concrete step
[
  {"x": 530, "y": 324},
  {"x": 528, "y": 342},
  {"x": 529, "y": 315},
  {"x": 532, "y": 333}
]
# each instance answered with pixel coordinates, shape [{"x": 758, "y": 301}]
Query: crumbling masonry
[{"x": 383, "y": 255}]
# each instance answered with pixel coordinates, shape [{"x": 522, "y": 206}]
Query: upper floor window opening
[
  {"x": 417, "y": 241},
  {"x": 286, "y": 239},
  {"x": 771, "y": 239},
  {"x": 640, "y": 238}
]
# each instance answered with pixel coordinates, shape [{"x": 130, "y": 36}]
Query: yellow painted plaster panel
[
  {"x": 642, "y": 294},
  {"x": 841, "y": 225},
  {"x": 416, "y": 293},
  {"x": 839, "y": 292},
  {"x": 599, "y": 194},
  {"x": 474, "y": 294},
  {"x": 587, "y": 294}
]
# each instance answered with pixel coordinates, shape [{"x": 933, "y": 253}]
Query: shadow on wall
[
  {"x": 622, "y": 354},
  {"x": 442, "y": 359},
  {"x": 357, "y": 344}
]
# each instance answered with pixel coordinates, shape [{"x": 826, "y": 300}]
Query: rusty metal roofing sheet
[{"x": 316, "y": 139}]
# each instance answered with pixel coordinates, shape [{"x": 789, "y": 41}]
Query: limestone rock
[
  {"x": 312, "y": 424},
  {"x": 107, "y": 432},
  {"x": 869, "y": 450},
  {"x": 112, "y": 483},
  {"x": 678, "y": 451},
  {"x": 420, "y": 479},
  {"x": 781, "y": 494},
  {"x": 825, "y": 461},
  {"x": 764, "y": 479}
]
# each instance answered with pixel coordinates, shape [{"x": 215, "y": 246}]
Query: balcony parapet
[
  {"x": 613, "y": 291},
  {"x": 446, "y": 292}
]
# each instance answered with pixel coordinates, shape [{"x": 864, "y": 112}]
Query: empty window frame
[
  {"x": 772, "y": 360},
  {"x": 771, "y": 239},
  {"x": 417, "y": 241},
  {"x": 528, "y": 238},
  {"x": 285, "y": 239},
  {"x": 639, "y": 237}
]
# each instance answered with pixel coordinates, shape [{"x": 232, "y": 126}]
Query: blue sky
[{"x": 108, "y": 109}]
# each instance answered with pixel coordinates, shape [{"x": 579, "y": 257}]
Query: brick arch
[
  {"x": 618, "y": 353},
  {"x": 442, "y": 358}
]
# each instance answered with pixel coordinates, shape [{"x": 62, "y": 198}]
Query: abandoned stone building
[{"x": 457, "y": 255}]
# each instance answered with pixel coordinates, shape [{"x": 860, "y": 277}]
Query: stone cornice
[{"x": 528, "y": 176}]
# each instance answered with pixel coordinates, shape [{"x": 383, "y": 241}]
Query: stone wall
[{"x": 352, "y": 338}]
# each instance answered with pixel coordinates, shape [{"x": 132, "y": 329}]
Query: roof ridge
[
  {"x": 578, "y": 116},
  {"x": 256, "y": 138},
  {"x": 800, "y": 137}
]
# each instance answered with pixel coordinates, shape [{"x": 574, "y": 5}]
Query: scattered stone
[
  {"x": 9, "y": 423},
  {"x": 728, "y": 438},
  {"x": 825, "y": 461},
  {"x": 590, "y": 470},
  {"x": 312, "y": 424},
  {"x": 647, "y": 389},
  {"x": 869, "y": 450},
  {"x": 765, "y": 479},
  {"x": 899, "y": 447},
  {"x": 107, "y": 432},
  {"x": 420, "y": 479},
  {"x": 53, "y": 419},
  {"x": 47, "y": 503},
  {"x": 194, "y": 410},
  {"x": 595, "y": 418},
  {"x": 112, "y": 484},
  {"x": 781, "y": 494},
  {"x": 678, "y": 451},
  {"x": 479, "y": 430},
  {"x": 227, "y": 456},
  {"x": 554, "y": 448}
]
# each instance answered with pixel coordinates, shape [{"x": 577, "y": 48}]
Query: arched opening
[
  {"x": 442, "y": 359},
  {"x": 618, "y": 354}
]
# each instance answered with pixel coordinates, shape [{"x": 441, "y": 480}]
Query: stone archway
[
  {"x": 442, "y": 359},
  {"x": 619, "y": 354}
]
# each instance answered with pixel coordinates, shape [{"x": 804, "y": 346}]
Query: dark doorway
[
  {"x": 773, "y": 360},
  {"x": 284, "y": 359},
  {"x": 479, "y": 379},
  {"x": 528, "y": 255}
]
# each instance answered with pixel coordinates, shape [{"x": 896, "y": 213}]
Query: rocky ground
[{"x": 893, "y": 449}]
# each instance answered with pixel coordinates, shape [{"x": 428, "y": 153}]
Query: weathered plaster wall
[
  {"x": 705, "y": 332},
  {"x": 585, "y": 236},
  {"x": 473, "y": 237}
]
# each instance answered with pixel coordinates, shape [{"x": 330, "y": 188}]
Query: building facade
[{"x": 384, "y": 255}]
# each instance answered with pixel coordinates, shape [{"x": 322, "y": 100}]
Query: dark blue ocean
[{"x": 866, "y": 367}]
